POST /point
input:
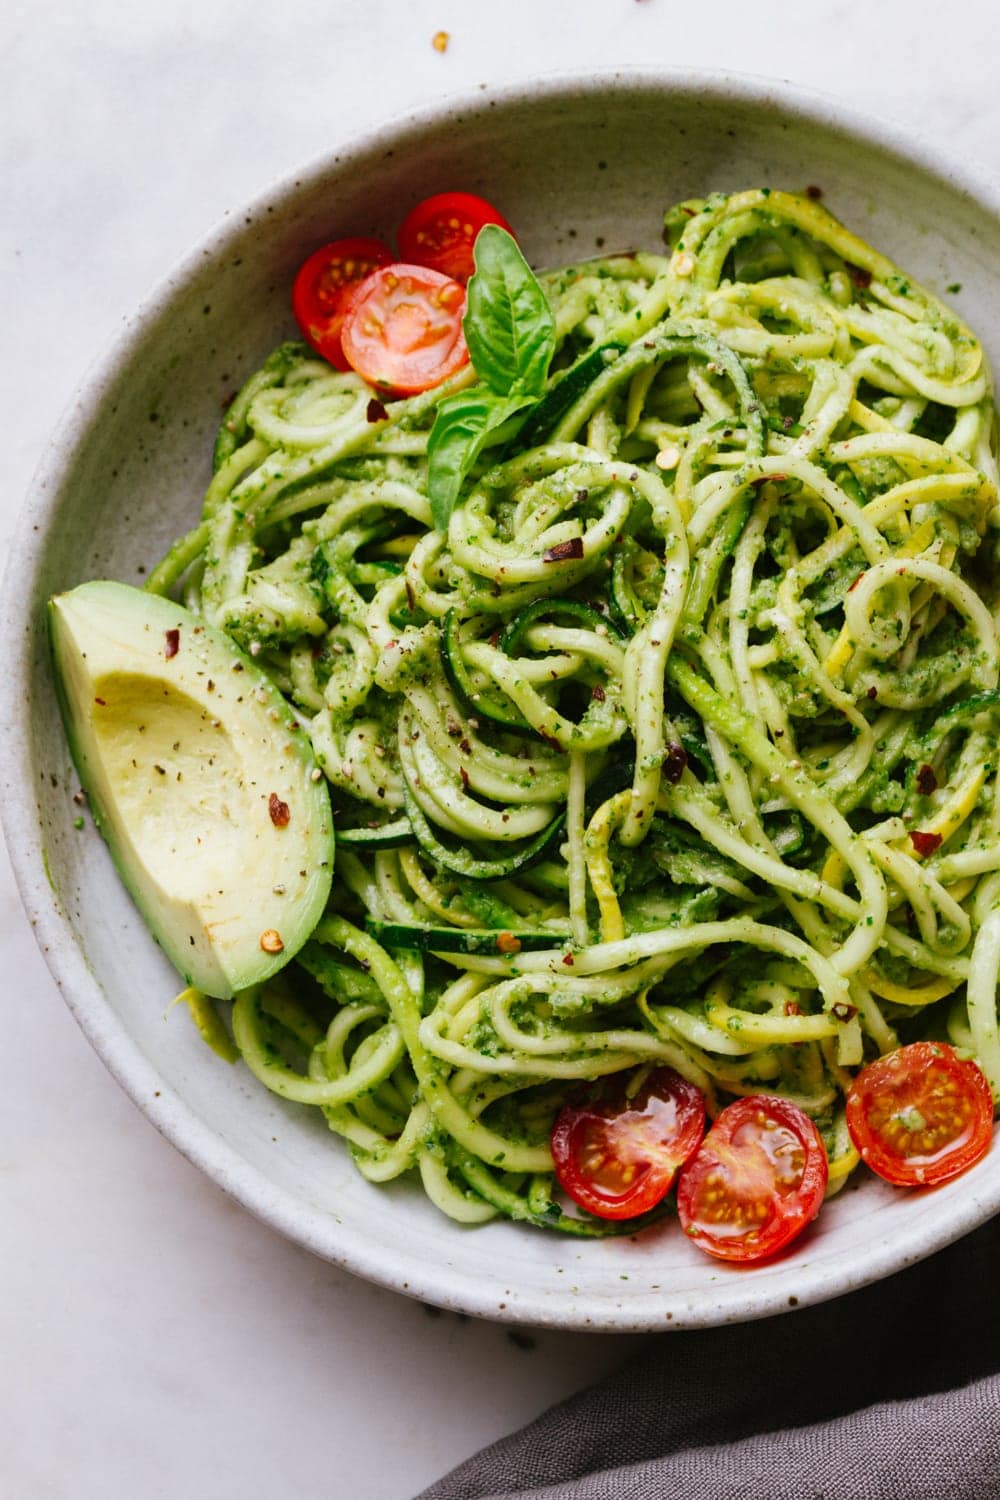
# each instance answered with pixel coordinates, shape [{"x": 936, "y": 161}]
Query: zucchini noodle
[{"x": 679, "y": 748}]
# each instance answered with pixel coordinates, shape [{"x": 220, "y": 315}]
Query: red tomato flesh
[
  {"x": 403, "y": 329},
  {"x": 920, "y": 1115},
  {"x": 322, "y": 291},
  {"x": 441, "y": 232},
  {"x": 756, "y": 1181},
  {"x": 617, "y": 1155}
]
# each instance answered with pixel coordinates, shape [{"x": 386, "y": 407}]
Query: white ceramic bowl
[{"x": 577, "y": 164}]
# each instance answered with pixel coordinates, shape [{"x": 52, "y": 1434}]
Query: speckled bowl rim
[{"x": 309, "y": 1227}]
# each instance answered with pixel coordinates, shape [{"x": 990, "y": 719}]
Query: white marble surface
[{"x": 154, "y": 1340}]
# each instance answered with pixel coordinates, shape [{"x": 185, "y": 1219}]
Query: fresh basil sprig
[{"x": 510, "y": 331}]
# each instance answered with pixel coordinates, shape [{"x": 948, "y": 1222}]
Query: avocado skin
[{"x": 191, "y": 758}]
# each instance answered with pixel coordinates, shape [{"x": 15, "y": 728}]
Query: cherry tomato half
[
  {"x": 616, "y": 1155},
  {"x": 441, "y": 231},
  {"x": 322, "y": 291},
  {"x": 920, "y": 1115},
  {"x": 756, "y": 1181},
  {"x": 403, "y": 329}
]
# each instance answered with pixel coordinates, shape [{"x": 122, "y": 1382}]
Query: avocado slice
[{"x": 201, "y": 781}]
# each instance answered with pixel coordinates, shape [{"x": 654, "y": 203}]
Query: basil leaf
[
  {"x": 508, "y": 325},
  {"x": 510, "y": 331},
  {"x": 462, "y": 427}
]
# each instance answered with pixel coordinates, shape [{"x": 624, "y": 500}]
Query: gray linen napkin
[{"x": 891, "y": 1393}]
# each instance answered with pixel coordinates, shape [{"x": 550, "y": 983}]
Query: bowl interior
[{"x": 579, "y": 167}]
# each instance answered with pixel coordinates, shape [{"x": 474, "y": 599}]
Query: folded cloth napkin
[{"x": 891, "y": 1393}]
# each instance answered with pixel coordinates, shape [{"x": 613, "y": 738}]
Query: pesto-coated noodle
[{"x": 678, "y": 748}]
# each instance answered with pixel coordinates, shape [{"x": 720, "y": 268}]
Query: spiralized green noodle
[{"x": 679, "y": 748}]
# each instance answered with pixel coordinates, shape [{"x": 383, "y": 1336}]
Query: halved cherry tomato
[
  {"x": 403, "y": 329},
  {"x": 441, "y": 231},
  {"x": 617, "y": 1155},
  {"x": 920, "y": 1115},
  {"x": 756, "y": 1181},
  {"x": 323, "y": 288}
]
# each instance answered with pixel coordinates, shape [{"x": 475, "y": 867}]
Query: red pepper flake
[
  {"x": 925, "y": 843},
  {"x": 755, "y": 484},
  {"x": 376, "y": 412},
  {"x": 101, "y": 702},
  {"x": 465, "y": 776},
  {"x": 495, "y": 639},
  {"x": 173, "y": 643},
  {"x": 814, "y": 192},
  {"x": 927, "y": 782},
  {"x": 859, "y": 275},
  {"x": 508, "y": 943},
  {"x": 271, "y": 941},
  {"x": 550, "y": 740},
  {"x": 856, "y": 581},
  {"x": 465, "y": 746},
  {"x": 597, "y": 693},
  {"x": 792, "y": 1008},
  {"x": 564, "y": 551},
  {"x": 675, "y": 763},
  {"x": 568, "y": 960},
  {"x": 278, "y": 810},
  {"x": 872, "y": 693},
  {"x": 843, "y": 1011}
]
